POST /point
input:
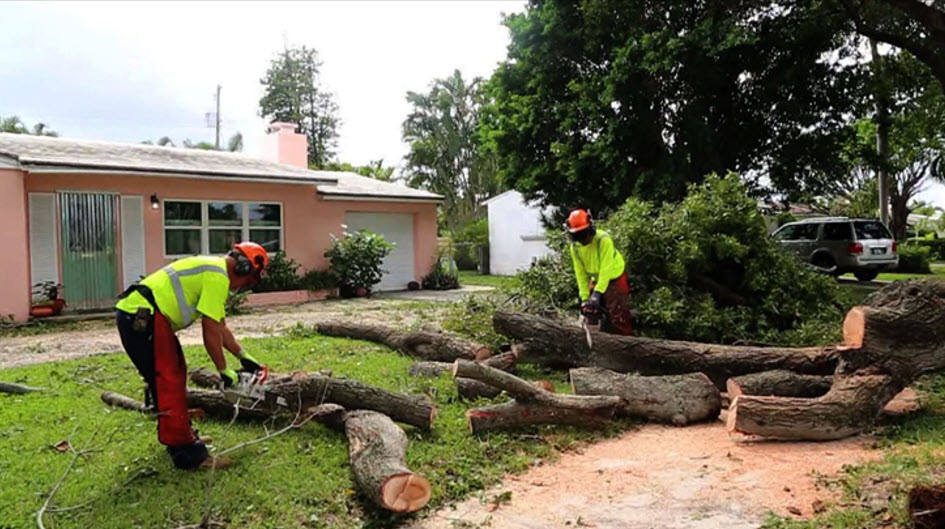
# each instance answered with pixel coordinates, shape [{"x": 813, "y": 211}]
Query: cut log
[
  {"x": 121, "y": 401},
  {"x": 677, "y": 399},
  {"x": 467, "y": 388},
  {"x": 779, "y": 383},
  {"x": 18, "y": 389},
  {"x": 532, "y": 405},
  {"x": 377, "y": 449},
  {"x": 211, "y": 403},
  {"x": 424, "y": 345},
  {"x": 563, "y": 345},
  {"x": 889, "y": 342},
  {"x": 311, "y": 389}
]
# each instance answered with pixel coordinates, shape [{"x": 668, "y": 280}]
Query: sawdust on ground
[{"x": 663, "y": 477}]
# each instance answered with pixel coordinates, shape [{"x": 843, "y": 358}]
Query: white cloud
[{"x": 132, "y": 71}]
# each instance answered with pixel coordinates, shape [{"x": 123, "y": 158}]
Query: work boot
[{"x": 215, "y": 463}]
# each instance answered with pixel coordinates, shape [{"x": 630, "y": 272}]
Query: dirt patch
[
  {"x": 102, "y": 338},
  {"x": 665, "y": 477}
]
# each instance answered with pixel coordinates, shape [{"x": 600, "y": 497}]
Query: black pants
[{"x": 139, "y": 346}]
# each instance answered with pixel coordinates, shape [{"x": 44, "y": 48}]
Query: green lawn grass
[
  {"x": 471, "y": 277},
  {"x": 938, "y": 270},
  {"x": 299, "y": 479}
]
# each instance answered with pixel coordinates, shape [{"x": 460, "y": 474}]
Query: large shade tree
[
  {"x": 447, "y": 153},
  {"x": 603, "y": 99},
  {"x": 293, "y": 92}
]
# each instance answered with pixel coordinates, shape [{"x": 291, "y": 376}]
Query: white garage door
[{"x": 397, "y": 228}]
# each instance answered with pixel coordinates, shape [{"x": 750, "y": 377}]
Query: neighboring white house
[{"x": 516, "y": 235}]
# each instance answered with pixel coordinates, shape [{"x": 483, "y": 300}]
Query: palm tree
[
  {"x": 15, "y": 125},
  {"x": 235, "y": 143}
]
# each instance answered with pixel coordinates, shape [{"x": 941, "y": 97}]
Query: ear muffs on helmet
[{"x": 244, "y": 267}]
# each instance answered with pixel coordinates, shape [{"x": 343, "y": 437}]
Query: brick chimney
[{"x": 283, "y": 144}]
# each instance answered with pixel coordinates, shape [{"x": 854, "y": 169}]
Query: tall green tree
[
  {"x": 374, "y": 169},
  {"x": 447, "y": 153},
  {"x": 599, "y": 100},
  {"x": 293, "y": 92},
  {"x": 15, "y": 125}
]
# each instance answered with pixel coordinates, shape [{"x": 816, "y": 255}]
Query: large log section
[
  {"x": 423, "y": 345},
  {"x": 468, "y": 389},
  {"x": 562, "y": 345},
  {"x": 312, "y": 389},
  {"x": 532, "y": 405},
  {"x": 889, "y": 342},
  {"x": 677, "y": 399}
]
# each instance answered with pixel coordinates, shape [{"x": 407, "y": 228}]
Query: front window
[
  {"x": 213, "y": 227},
  {"x": 871, "y": 229}
]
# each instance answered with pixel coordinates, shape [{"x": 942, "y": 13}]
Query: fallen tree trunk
[
  {"x": 532, "y": 405},
  {"x": 677, "y": 399},
  {"x": 558, "y": 344},
  {"x": 420, "y": 344},
  {"x": 311, "y": 389},
  {"x": 468, "y": 389},
  {"x": 889, "y": 342},
  {"x": 18, "y": 389},
  {"x": 211, "y": 403},
  {"x": 779, "y": 383}
]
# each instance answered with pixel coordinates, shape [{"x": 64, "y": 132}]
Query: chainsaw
[
  {"x": 250, "y": 387},
  {"x": 592, "y": 321}
]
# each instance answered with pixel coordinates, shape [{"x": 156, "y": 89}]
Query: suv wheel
[
  {"x": 825, "y": 263},
  {"x": 866, "y": 275}
]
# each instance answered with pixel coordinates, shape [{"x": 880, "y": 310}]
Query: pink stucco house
[{"x": 95, "y": 216}]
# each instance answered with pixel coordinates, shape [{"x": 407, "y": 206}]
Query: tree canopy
[
  {"x": 14, "y": 125},
  {"x": 604, "y": 99},
  {"x": 293, "y": 92},
  {"x": 447, "y": 152}
]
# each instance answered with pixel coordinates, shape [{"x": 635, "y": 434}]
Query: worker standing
[
  {"x": 601, "y": 274},
  {"x": 151, "y": 311}
]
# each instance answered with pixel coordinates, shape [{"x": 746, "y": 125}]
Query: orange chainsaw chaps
[{"x": 170, "y": 374}]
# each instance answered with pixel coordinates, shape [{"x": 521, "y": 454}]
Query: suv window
[
  {"x": 871, "y": 229},
  {"x": 798, "y": 232},
  {"x": 838, "y": 231}
]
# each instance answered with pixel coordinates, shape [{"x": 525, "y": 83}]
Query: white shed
[{"x": 516, "y": 235}]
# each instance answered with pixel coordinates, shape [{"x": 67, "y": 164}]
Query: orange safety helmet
[
  {"x": 579, "y": 220},
  {"x": 257, "y": 259}
]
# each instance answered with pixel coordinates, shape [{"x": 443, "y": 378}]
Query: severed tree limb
[
  {"x": 898, "y": 335},
  {"x": 468, "y": 389},
  {"x": 415, "y": 410},
  {"x": 677, "y": 399},
  {"x": 211, "y": 402},
  {"x": 377, "y": 449},
  {"x": 10, "y": 387},
  {"x": 558, "y": 344},
  {"x": 420, "y": 344},
  {"x": 121, "y": 401},
  {"x": 532, "y": 405},
  {"x": 779, "y": 383}
]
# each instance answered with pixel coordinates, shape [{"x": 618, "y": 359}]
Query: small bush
[
  {"x": 936, "y": 247},
  {"x": 356, "y": 260},
  {"x": 467, "y": 241},
  {"x": 466, "y": 256},
  {"x": 281, "y": 274},
  {"x": 319, "y": 280},
  {"x": 443, "y": 276},
  {"x": 914, "y": 259}
]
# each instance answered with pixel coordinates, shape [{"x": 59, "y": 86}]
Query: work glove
[
  {"x": 229, "y": 376},
  {"x": 593, "y": 304},
  {"x": 248, "y": 363}
]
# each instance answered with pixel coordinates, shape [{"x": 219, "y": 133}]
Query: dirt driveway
[{"x": 100, "y": 337}]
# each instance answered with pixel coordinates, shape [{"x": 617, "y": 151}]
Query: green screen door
[{"x": 89, "y": 249}]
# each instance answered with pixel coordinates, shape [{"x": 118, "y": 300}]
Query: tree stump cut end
[
  {"x": 854, "y": 328},
  {"x": 406, "y": 492}
]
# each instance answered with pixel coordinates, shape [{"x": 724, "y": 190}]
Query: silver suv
[{"x": 838, "y": 245}]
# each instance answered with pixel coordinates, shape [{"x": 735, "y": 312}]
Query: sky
[{"x": 134, "y": 71}]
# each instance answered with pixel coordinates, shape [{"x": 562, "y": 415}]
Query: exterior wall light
[{"x": 155, "y": 203}]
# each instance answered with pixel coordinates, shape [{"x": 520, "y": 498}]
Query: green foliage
[
  {"x": 447, "y": 155},
  {"x": 677, "y": 252},
  {"x": 281, "y": 274},
  {"x": 936, "y": 247},
  {"x": 374, "y": 169},
  {"x": 293, "y": 93},
  {"x": 444, "y": 276},
  {"x": 356, "y": 260},
  {"x": 467, "y": 241},
  {"x": 914, "y": 259},
  {"x": 473, "y": 318},
  {"x": 319, "y": 280},
  {"x": 300, "y": 478},
  {"x": 602, "y": 100},
  {"x": 236, "y": 303},
  {"x": 14, "y": 125}
]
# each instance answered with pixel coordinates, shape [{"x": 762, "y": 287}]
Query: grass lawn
[
  {"x": 938, "y": 270},
  {"x": 471, "y": 277},
  {"x": 299, "y": 479},
  {"x": 913, "y": 453}
]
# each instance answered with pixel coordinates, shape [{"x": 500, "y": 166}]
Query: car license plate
[{"x": 878, "y": 251}]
